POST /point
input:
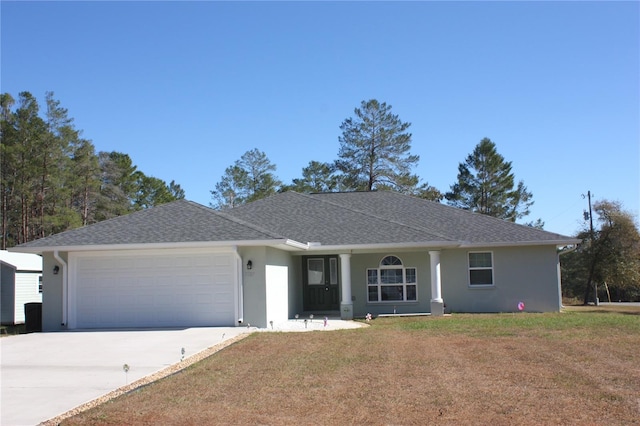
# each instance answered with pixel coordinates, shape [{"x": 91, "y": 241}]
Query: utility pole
[
  {"x": 595, "y": 284},
  {"x": 590, "y": 215},
  {"x": 593, "y": 260}
]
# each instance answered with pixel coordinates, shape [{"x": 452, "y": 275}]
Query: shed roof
[{"x": 22, "y": 261}]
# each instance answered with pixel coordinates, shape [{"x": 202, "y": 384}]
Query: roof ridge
[
  {"x": 421, "y": 229},
  {"x": 248, "y": 224},
  {"x": 237, "y": 220}
]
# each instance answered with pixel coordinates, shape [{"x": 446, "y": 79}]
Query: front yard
[{"x": 581, "y": 366}]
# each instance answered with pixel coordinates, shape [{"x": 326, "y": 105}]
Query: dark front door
[{"x": 321, "y": 283}]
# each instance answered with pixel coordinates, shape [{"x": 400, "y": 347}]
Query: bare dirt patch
[{"x": 575, "y": 368}]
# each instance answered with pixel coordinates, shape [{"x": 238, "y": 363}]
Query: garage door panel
[{"x": 155, "y": 291}]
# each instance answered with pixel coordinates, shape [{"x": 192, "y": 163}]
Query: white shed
[{"x": 21, "y": 282}]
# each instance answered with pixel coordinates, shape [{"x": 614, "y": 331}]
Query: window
[
  {"x": 315, "y": 271},
  {"x": 480, "y": 268},
  {"x": 392, "y": 282},
  {"x": 333, "y": 270}
]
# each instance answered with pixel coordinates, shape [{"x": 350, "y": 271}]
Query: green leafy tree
[
  {"x": 84, "y": 180},
  {"x": 35, "y": 169},
  {"x": 153, "y": 192},
  {"x": 250, "y": 178},
  {"x": 176, "y": 190},
  {"x": 374, "y": 150},
  {"x": 486, "y": 185},
  {"x": 52, "y": 179},
  {"x": 538, "y": 224},
  {"x": 231, "y": 191},
  {"x": 608, "y": 259},
  {"x": 7, "y": 171},
  {"x": 54, "y": 193},
  {"x": 427, "y": 192},
  {"x": 316, "y": 177},
  {"x": 119, "y": 185},
  {"x": 22, "y": 144}
]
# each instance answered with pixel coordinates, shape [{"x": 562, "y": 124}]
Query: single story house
[
  {"x": 182, "y": 264},
  {"x": 20, "y": 283}
]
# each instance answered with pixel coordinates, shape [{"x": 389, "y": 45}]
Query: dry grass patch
[{"x": 467, "y": 369}]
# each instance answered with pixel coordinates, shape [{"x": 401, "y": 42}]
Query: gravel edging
[{"x": 145, "y": 380}]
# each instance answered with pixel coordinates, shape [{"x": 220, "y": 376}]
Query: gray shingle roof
[
  {"x": 454, "y": 223},
  {"x": 307, "y": 218},
  {"x": 331, "y": 219},
  {"x": 354, "y": 218},
  {"x": 177, "y": 222}
]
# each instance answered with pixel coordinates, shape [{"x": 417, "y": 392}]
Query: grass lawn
[{"x": 581, "y": 366}]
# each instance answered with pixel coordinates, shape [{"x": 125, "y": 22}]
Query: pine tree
[
  {"x": 84, "y": 180},
  {"x": 7, "y": 171},
  {"x": 486, "y": 185},
  {"x": 52, "y": 180},
  {"x": 153, "y": 192},
  {"x": 250, "y": 178},
  {"x": 316, "y": 177},
  {"x": 374, "y": 150},
  {"x": 118, "y": 187}
]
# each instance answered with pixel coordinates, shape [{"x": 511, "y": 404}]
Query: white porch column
[
  {"x": 437, "y": 304},
  {"x": 346, "y": 305}
]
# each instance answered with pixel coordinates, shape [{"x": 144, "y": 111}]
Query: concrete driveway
[{"x": 47, "y": 374}]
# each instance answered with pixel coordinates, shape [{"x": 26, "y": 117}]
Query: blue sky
[{"x": 185, "y": 88}]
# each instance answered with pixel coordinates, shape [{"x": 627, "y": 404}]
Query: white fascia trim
[
  {"x": 388, "y": 246},
  {"x": 297, "y": 245},
  {"x": 34, "y": 250},
  {"x": 198, "y": 244},
  {"x": 566, "y": 248},
  {"x": 557, "y": 243}
]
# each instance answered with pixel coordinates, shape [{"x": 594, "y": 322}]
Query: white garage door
[{"x": 155, "y": 290}]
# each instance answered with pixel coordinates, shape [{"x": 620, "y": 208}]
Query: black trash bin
[{"x": 33, "y": 317}]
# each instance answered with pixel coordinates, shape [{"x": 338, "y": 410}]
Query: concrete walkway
[
  {"x": 316, "y": 323},
  {"x": 44, "y": 375}
]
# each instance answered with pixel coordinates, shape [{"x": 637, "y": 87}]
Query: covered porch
[{"x": 351, "y": 284}]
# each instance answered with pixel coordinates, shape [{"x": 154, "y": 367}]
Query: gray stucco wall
[
  {"x": 359, "y": 265},
  {"x": 523, "y": 274},
  {"x": 254, "y": 294},
  {"x": 52, "y": 293},
  {"x": 254, "y": 291}
]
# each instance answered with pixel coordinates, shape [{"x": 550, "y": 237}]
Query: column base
[
  {"x": 437, "y": 308},
  {"x": 346, "y": 311}
]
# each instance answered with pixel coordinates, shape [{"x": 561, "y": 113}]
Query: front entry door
[{"x": 321, "y": 284}]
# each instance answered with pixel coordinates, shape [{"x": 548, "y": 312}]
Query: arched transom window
[{"x": 392, "y": 282}]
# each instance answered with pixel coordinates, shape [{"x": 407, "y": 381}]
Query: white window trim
[
  {"x": 379, "y": 284},
  {"x": 492, "y": 268}
]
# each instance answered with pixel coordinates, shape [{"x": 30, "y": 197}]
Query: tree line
[
  {"x": 375, "y": 154},
  {"x": 52, "y": 179}
]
